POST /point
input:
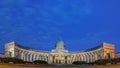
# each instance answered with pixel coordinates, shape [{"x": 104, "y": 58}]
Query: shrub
[
  {"x": 8, "y": 60},
  {"x": 101, "y": 62},
  {"x": 39, "y": 62},
  {"x": 79, "y": 62}
]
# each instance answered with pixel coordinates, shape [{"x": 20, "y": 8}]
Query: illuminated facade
[{"x": 59, "y": 55}]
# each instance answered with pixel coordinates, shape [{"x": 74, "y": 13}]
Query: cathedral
[{"x": 60, "y": 55}]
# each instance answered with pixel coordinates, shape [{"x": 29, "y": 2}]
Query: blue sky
[{"x": 81, "y": 24}]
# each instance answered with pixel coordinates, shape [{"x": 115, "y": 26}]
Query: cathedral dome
[{"x": 60, "y": 45}]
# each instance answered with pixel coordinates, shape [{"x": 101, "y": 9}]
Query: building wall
[
  {"x": 109, "y": 51},
  {"x": 59, "y": 57},
  {"x": 10, "y": 49}
]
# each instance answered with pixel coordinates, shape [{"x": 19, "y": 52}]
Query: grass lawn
[{"x": 32, "y": 66}]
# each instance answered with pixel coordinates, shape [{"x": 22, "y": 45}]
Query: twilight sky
[{"x": 81, "y": 24}]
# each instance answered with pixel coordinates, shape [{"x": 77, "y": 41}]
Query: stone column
[
  {"x": 77, "y": 57},
  {"x": 95, "y": 56},
  {"x": 46, "y": 58},
  {"x": 21, "y": 55},
  {"x": 84, "y": 57},
  {"x": 55, "y": 59},
  {"x": 70, "y": 60},
  {"x": 87, "y": 57},
  {"x": 81, "y": 57},
  {"x": 31, "y": 57},
  {"x": 91, "y": 57},
  {"x": 27, "y": 56},
  {"x": 40, "y": 57},
  {"x": 24, "y": 56},
  {"x": 37, "y": 56},
  {"x": 43, "y": 57},
  {"x": 62, "y": 59},
  {"x": 65, "y": 59},
  {"x": 50, "y": 59},
  {"x": 34, "y": 57}
]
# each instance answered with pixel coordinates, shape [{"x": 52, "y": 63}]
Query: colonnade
[
  {"x": 12, "y": 50},
  {"x": 28, "y": 55},
  {"x": 87, "y": 56}
]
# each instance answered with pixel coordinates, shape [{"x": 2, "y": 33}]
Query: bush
[
  {"x": 39, "y": 62},
  {"x": 79, "y": 62},
  {"x": 101, "y": 62},
  {"x": 105, "y": 61},
  {"x": 8, "y": 60},
  {"x": 115, "y": 60}
]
